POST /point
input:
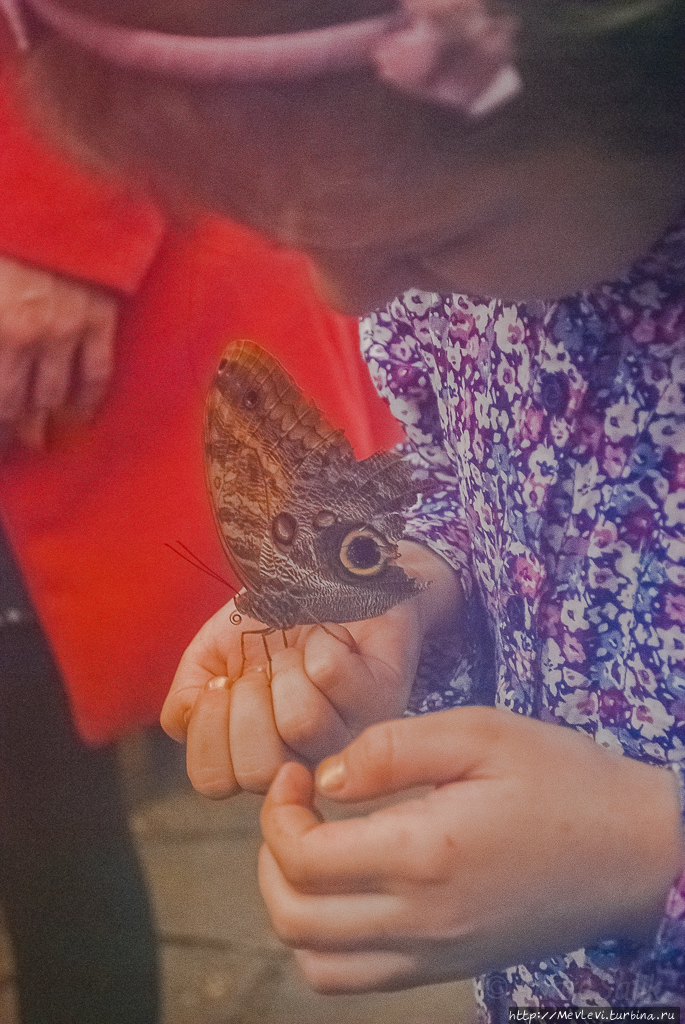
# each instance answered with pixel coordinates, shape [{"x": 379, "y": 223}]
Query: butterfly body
[{"x": 310, "y": 531}]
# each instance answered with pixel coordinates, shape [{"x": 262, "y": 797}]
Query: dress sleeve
[
  {"x": 454, "y": 670},
  {"x": 401, "y": 373},
  {"x": 66, "y": 219}
]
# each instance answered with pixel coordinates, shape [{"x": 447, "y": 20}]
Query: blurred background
[
  {"x": 124, "y": 897},
  {"x": 220, "y": 963}
]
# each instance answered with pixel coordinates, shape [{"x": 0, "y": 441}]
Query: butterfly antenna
[{"x": 188, "y": 556}]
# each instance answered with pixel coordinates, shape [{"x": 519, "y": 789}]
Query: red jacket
[{"x": 89, "y": 519}]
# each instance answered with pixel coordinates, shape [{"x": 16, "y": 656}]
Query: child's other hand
[
  {"x": 535, "y": 841},
  {"x": 240, "y": 727}
]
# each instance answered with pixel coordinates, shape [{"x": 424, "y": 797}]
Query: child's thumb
[{"x": 405, "y": 753}]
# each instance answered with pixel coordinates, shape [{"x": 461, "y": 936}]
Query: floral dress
[{"x": 556, "y": 433}]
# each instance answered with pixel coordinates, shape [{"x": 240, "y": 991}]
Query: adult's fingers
[
  {"x": 53, "y": 374},
  {"x": 97, "y": 354},
  {"x": 15, "y": 376}
]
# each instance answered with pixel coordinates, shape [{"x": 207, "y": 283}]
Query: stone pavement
[{"x": 221, "y": 964}]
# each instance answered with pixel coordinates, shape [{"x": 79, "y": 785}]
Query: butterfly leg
[
  {"x": 257, "y": 632},
  {"x": 349, "y": 640},
  {"x": 269, "y": 668}
]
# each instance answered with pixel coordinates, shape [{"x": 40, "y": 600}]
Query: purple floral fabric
[{"x": 556, "y": 433}]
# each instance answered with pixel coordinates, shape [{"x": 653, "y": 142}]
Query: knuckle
[
  {"x": 321, "y": 668},
  {"x": 297, "y": 729},
  {"x": 317, "y": 974},
  {"x": 322, "y": 658},
  {"x": 21, "y": 329},
  {"x": 377, "y": 751},
  {"x": 215, "y": 785},
  {"x": 255, "y": 779},
  {"x": 432, "y": 862},
  {"x": 288, "y": 926}
]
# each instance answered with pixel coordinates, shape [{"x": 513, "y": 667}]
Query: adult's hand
[{"x": 56, "y": 349}]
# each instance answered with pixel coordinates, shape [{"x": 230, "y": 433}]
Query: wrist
[
  {"x": 443, "y": 595},
  {"x": 656, "y": 838}
]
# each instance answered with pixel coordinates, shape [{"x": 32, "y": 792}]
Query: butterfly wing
[
  {"x": 308, "y": 529},
  {"x": 348, "y": 523},
  {"x": 258, "y": 432}
]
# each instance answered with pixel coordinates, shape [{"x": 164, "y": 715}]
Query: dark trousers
[{"x": 72, "y": 892}]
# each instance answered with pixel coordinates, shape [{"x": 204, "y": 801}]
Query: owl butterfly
[{"x": 309, "y": 531}]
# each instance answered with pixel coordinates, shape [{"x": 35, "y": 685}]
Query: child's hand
[
  {"x": 535, "y": 841},
  {"x": 324, "y": 691}
]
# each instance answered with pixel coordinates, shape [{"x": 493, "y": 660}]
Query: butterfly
[{"x": 308, "y": 529}]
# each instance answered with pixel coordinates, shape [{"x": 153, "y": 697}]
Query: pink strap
[
  {"x": 462, "y": 61},
  {"x": 210, "y": 59}
]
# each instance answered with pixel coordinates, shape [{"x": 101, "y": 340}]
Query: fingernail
[
  {"x": 218, "y": 683},
  {"x": 331, "y": 775}
]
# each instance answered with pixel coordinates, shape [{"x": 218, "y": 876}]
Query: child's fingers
[
  {"x": 213, "y": 653},
  {"x": 351, "y": 856},
  {"x": 189, "y": 681},
  {"x": 366, "y": 674},
  {"x": 342, "y": 676},
  {"x": 332, "y": 922},
  {"x": 257, "y": 750},
  {"x": 401, "y": 754},
  {"x": 306, "y": 719},
  {"x": 376, "y": 971},
  {"x": 208, "y": 753},
  {"x": 97, "y": 352}
]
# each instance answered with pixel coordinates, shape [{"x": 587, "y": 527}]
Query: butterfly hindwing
[{"x": 309, "y": 530}]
